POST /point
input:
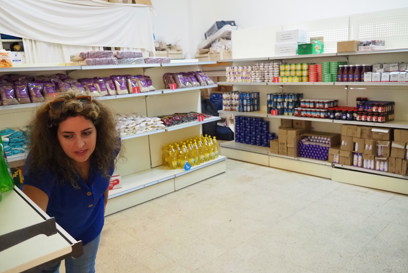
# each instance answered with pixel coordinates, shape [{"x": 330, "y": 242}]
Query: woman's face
[{"x": 77, "y": 137}]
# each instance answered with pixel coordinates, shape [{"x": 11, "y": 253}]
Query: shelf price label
[
  {"x": 200, "y": 118},
  {"x": 173, "y": 86},
  {"x": 136, "y": 89}
]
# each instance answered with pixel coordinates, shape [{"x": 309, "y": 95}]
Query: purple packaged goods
[
  {"x": 96, "y": 54},
  {"x": 110, "y": 86},
  {"x": 101, "y": 86},
  {"x": 21, "y": 91},
  {"x": 132, "y": 82},
  {"x": 35, "y": 89},
  {"x": 90, "y": 87},
  {"x": 49, "y": 90},
  {"x": 7, "y": 94},
  {"x": 101, "y": 61},
  {"x": 77, "y": 86},
  {"x": 120, "y": 84}
]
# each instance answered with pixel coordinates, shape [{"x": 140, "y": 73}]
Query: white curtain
[{"x": 50, "y": 27}]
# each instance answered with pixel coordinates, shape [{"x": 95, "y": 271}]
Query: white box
[
  {"x": 286, "y": 49},
  {"x": 377, "y": 67},
  {"x": 367, "y": 76},
  {"x": 402, "y": 76},
  {"x": 385, "y": 77},
  {"x": 402, "y": 67},
  {"x": 291, "y": 36},
  {"x": 375, "y": 76},
  {"x": 394, "y": 76}
]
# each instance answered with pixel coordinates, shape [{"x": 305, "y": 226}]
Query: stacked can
[
  {"x": 248, "y": 101},
  {"x": 230, "y": 101},
  {"x": 265, "y": 72},
  {"x": 283, "y": 104},
  {"x": 315, "y": 73},
  {"x": 238, "y": 73},
  {"x": 254, "y": 131},
  {"x": 294, "y": 72}
]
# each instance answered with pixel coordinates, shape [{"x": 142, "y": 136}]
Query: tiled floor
[{"x": 256, "y": 219}]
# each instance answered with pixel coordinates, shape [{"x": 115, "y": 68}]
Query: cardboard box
[
  {"x": 334, "y": 155},
  {"x": 286, "y": 49},
  {"x": 283, "y": 150},
  {"x": 398, "y": 166},
  {"x": 302, "y": 124},
  {"x": 286, "y": 123},
  {"x": 291, "y": 36},
  {"x": 368, "y": 162},
  {"x": 292, "y": 151},
  {"x": 274, "y": 146},
  {"x": 401, "y": 135},
  {"x": 381, "y": 164},
  {"x": 358, "y": 144},
  {"x": 348, "y": 46},
  {"x": 346, "y": 143},
  {"x": 370, "y": 147},
  {"x": 346, "y": 158},
  {"x": 142, "y": 2},
  {"x": 383, "y": 148},
  {"x": 376, "y": 76},
  {"x": 283, "y": 136},
  {"x": 365, "y": 132},
  {"x": 351, "y": 130},
  {"x": 381, "y": 133},
  {"x": 398, "y": 149},
  {"x": 404, "y": 167},
  {"x": 391, "y": 164}
]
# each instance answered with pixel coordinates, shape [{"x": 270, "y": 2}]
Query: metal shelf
[
  {"x": 117, "y": 66},
  {"x": 191, "y": 124},
  {"x": 245, "y": 147},
  {"x": 38, "y": 68},
  {"x": 171, "y": 91},
  {"x": 299, "y": 118},
  {"x": 242, "y": 83},
  {"x": 187, "y": 63}
]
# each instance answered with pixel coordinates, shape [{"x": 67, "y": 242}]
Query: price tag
[
  {"x": 200, "y": 118},
  {"x": 274, "y": 112},
  {"x": 275, "y": 79},
  {"x": 136, "y": 89},
  {"x": 173, "y": 86}
]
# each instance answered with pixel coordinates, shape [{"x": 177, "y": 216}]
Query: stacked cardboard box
[
  {"x": 288, "y": 136},
  {"x": 381, "y": 149}
]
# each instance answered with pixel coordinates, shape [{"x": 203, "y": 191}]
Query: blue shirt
[{"x": 79, "y": 211}]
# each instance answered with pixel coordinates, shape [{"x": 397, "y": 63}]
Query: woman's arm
[{"x": 37, "y": 196}]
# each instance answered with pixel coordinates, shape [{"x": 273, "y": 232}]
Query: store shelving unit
[
  {"x": 346, "y": 92},
  {"x": 142, "y": 175}
]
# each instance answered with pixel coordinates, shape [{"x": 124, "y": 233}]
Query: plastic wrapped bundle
[
  {"x": 101, "y": 61},
  {"x": 128, "y": 54},
  {"x": 96, "y": 55},
  {"x": 131, "y": 61},
  {"x": 157, "y": 60},
  {"x": 7, "y": 94}
]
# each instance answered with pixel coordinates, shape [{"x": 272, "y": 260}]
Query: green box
[{"x": 315, "y": 47}]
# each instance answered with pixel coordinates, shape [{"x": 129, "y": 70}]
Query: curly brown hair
[{"x": 45, "y": 150}]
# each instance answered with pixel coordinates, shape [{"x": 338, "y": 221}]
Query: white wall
[{"x": 187, "y": 20}]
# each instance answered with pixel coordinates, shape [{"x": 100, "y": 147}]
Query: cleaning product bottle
[{"x": 6, "y": 182}]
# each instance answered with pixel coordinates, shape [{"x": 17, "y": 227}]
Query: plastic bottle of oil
[
  {"x": 216, "y": 148},
  {"x": 172, "y": 158}
]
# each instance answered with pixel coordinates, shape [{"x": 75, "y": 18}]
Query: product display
[
  {"x": 254, "y": 131},
  {"x": 134, "y": 124},
  {"x": 186, "y": 79},
  {"x": 190, "y": 152},
  {"x": 283, "y": 104},
  {"x": 240, "y": 101},
  {"x": 179, "y": 118}
]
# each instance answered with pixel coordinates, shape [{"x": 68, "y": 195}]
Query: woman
[{"x": 74, "y": 143}]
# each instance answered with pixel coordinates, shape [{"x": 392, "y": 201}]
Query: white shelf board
[
  {"x": 16, "y": 157},
  {"x": 245, "y": 147},
  {"x": 187, "y": 63},
  {"x": 140, "y": 180},
  {"x": 201, "y": 166},
  {"x": 370, "y": 171},
  {"x": 385, "y": 51},
  {"x": 261, "y": 59},
  {"x": 39, "y": 68},
  {"x": 389, "y": 124},
  {"x": 133, "y": 95},
  {"x": 301, "y": 83},
  {"x": 191, "y": 123},
  {"x": 391, "y": 84},
  {"x": 307, "y": 56},
  {"x": 242, "y": 83},
  {"x": 20, "y": 106},
  {"x": 247, "y": 114},
  {"x": 117, "y": 66},
  {"x": 303, "y": 159},
  {"x": 170, "y": 91},
  {"x": 300, "y": 118},
  {"x": 143, "y": 134}
]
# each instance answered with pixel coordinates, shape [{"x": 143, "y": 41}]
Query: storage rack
[
  {"x": 142, "y": 176},
  {"x": 347, "y": 91}
]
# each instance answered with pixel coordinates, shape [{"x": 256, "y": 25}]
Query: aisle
[{"x": 256, "y": 219}]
